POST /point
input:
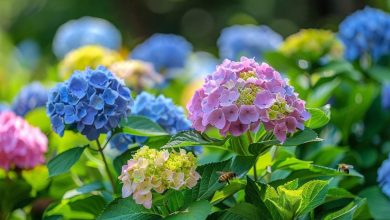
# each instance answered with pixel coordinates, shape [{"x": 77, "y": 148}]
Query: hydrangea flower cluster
[
  {"x": 150, "y": 169},
  {"x": 239, "y": 96},
  {"x": 247, "y": 40},
  {"x": 21, "y": 145},
  {"x": 312, "y": 45},
  {"x": 384, "y": 177},
  {"x": 366, "y": 32},
  {"x": 30, "y": 97},
  {"x": 88, "y": 56},
  {"x": 85, "y": 31},
  {"x": 385, "y": 96},
  {"x": 164, "y": 51},
  {"x": 158, "y": 109},
  {"x": 92, "y": 101},
  {"x": 137, "y": 74}
]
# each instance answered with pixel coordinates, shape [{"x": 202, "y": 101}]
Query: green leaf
[
  {"x": 198, "y": 210},
  {"x": 348, "y": 212},
  {"x": 281, "y": 62},
  {"x": 381, "y": 74},
  {"x": 299, "y": 138},
  {"x": 83, "y": 190},
  {"x": 377, "y": 202},
  {"x": 305, "y": 170},
  {"x": 192, "y": 138},
  {"x": 338, "y": 193},
  {"x": 93, "y": 204},
  {"x": 356, "y": 101},
  {"x": 321, "y": 94},
  {"x": 337, "y": 68},
  {"x": 313, "y": 195},
  {"x": 253, "y": 196},
  {"x": 158, "y": 141},
  {"x": 64, "y": 161},
  {"x": 127, "y": 209},
  {"x": 329, "y": 156},
  {"x": 122, "y": 159},
  {"x": 175, "y": 200},
  {"x": 227, "y": 191},
  {"x": 242, "y": 211},
  {"x": 302, "y": 137},
  {"x": 242, "y": 164},
  {"x": 141, "y": 126},
  {"x": 260, "y": 148},
  {"x": 319, "y": 117},
  {"x": 208, "y": 183},
  {"x": 239, "y": 145},
  {"x": 12, "y": 193}
]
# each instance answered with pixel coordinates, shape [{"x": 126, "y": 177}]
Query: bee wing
[
  {"x": 350, "y": 166},
  {"x": 220, "y": 172}
]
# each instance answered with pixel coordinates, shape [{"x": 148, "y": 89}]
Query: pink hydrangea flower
[
  {"x": 21, "y": 145},
  {"x": 239, "y": 96}
]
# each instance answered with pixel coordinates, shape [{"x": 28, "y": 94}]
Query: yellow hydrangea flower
[
  {"x": 311, "y": 45},
  {"x": 88, "y": 56},
  {"x": 136, "y": 74}
]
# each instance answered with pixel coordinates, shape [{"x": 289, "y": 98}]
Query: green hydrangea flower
[{"x": 158, "y": 170}]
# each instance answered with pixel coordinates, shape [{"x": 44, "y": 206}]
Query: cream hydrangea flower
[
  {"x": 136, "y": 74},
  {"x": 150, "y": 169}
]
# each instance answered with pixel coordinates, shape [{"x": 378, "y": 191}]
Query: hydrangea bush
[{"x": 270, "y": 148}]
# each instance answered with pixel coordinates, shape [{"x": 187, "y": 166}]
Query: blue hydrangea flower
[
  {"x": 366, "y": 32},
  {"x": 28, "y": 53},
  {"x": 85, "y": 31},
  {"x": 386, "y": 96},
  {"x": 247, "y": 40},
  {"x": 384, "y": 177},
  {"x": 158, "y": 109},
  {"x": 92, "y": 102},
  {"x": 30, "y": 97},
  {"x": 164, "y": 51}
]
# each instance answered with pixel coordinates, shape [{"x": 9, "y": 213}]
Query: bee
[
  {"x": 344, "y": 168},
  {"x": 226, "y": 176}
]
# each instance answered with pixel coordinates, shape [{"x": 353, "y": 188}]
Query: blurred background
[{"x": 199, "y": 21}]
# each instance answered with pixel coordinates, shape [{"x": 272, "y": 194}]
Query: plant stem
[
  {"x": 106, "y": 166},
  {"x": 254, "y": 165}
]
